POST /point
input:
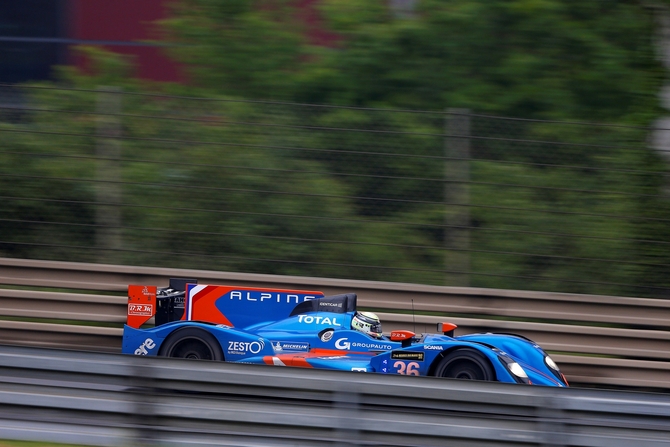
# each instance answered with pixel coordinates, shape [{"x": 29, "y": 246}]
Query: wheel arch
[
  {"x": 186, "y": 333},
  {"x": 438, "y": 358}
]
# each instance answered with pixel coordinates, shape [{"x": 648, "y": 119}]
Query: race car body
[{"x": 307, "y": 329}]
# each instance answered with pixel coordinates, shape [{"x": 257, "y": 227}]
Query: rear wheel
[
  {"x": 466, "y": 364},
  {"x": 192, "y": 343}
]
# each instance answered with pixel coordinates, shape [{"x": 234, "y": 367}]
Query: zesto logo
[{"x": 243, "y": 347}]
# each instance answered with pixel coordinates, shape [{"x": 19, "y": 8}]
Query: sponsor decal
[
  {"x": 327, "y": 304},
  {"x": 279, "y": 346},
  {"x": 398, "y": 335},
  {"x": 309, "y": 319},
  {"x": 407, "y": 355},
  {"x": 145, "y": 291},
  {"x": 342, "y": 343},
  {"x": 407, "y": 368},
  {"x": 362, "y": 370},
  {"x": 265, "y": 297},
  {"x": 145, "y": 310},
  {"x": 245, "y": 347},
  {"x": 327, "y": 336},
  {"x": 145, "y": 347},
  {"x": 334, "y": 357},
  {"x": 433, "y": 348}
]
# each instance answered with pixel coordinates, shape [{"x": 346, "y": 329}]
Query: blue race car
[{"x": 307, "y": 329}]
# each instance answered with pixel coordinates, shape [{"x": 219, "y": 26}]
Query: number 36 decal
[{"x": 407, "y": 368}]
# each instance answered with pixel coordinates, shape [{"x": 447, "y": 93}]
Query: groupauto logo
[{"x": 342, "y": 343}]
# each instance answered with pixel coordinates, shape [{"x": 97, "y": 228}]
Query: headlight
[
  {"x": 517, "y": 370},
  {"x": 554, "y": 369},
  {"x": 550, "y": 363},
  {"x": 513, "y": 367}
]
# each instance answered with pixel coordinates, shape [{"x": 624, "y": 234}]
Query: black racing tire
[
  {"x": 192, "y": 343},
  {"x": 465, "y": 364}
]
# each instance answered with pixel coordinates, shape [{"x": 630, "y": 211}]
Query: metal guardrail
[
  {"x": 114, "y": 400},
  {"x": 600, "y": 340}
]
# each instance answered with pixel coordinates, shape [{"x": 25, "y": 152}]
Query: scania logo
[{"x": 432, "y": 348}]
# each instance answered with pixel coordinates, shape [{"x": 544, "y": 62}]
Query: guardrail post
[
  {"x": 108, "y": 152},
  {"x": 346, "y": 403},
  {"x": 457, "y": 198},
  {"x": 143, "y": 419},
  {"x": 551, "y": 426}
]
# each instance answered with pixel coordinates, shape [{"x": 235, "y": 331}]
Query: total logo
[
  {"x": 318, "y": 320},
  {"x": 244, "y": 347},
  {"x": 145, "y": 347}
]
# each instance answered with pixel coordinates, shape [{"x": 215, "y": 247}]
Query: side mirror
[
  {"x": 403, "y": 336},
  {"x": 446, "y": 328}
]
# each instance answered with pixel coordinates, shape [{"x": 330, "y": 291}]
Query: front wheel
[
  {"x": 466, "y": 364},
  {"x": 192, "y": 343}
]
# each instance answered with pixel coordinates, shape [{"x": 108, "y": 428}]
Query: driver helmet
[{"x": 367, "y": 323}]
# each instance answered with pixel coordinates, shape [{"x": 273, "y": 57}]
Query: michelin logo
[{"x": 280, "y": 346}]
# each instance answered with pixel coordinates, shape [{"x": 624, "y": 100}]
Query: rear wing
[
  {"x": 232, "y": 306},
  {"x": 166, "y": 303}
]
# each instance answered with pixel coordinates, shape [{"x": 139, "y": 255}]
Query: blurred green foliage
[
  {"x": 546, "y": 59},
  {"x": 224, "y": 183}
]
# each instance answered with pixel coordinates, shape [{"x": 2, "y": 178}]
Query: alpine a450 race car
[{"x": 307, "y": 329}]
